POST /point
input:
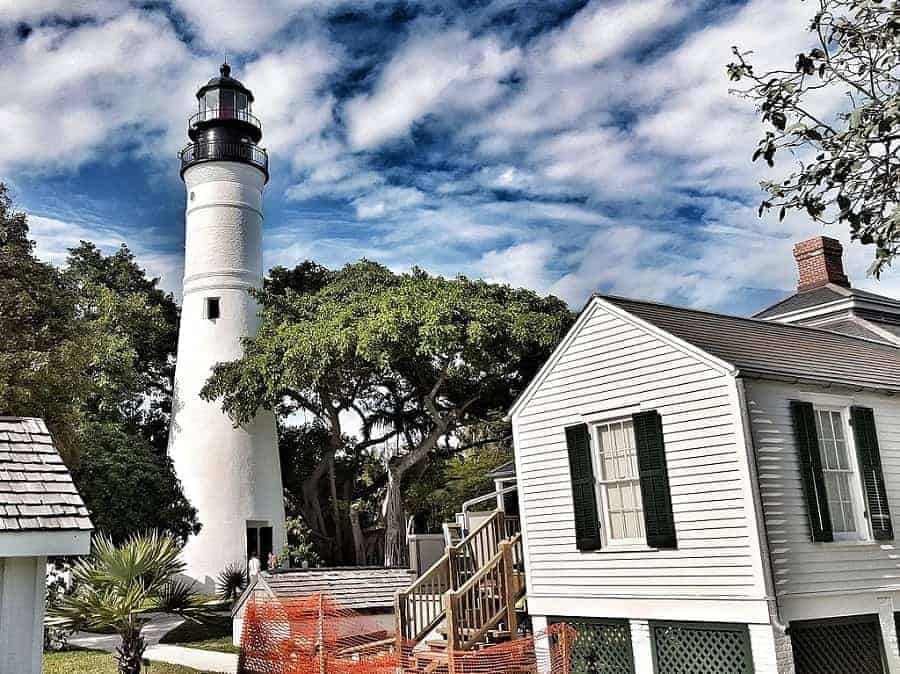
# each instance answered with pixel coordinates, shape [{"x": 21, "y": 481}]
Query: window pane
[
  {"x": 621, "y": 492},
  {"x": 615, "y": 497},
  {"x": 226, "y": 104},
  {"x": 617, "y": 522}
]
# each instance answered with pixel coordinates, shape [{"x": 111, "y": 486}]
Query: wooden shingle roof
[
  {"x": 36, "y": 489},
  {"x": 359, "y": 588}
]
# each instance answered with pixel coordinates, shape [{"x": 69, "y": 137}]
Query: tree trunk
[
  {"x": 396, "y": 550},
  {"x": 359, "y": 543},
  {"x": 131, "y": 652},
  {"x": 336, "y": 514}
]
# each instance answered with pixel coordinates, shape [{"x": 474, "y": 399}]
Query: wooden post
[
  {"x": 400, "y": 615},
  {"x": 509, "y": 589},
  {"x": 451, "y": 608},
  {"x": 564, "y": 647},
  {"x": 452, "y": 566}
]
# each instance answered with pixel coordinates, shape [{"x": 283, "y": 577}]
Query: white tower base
[{"x": 231, "y": 475}]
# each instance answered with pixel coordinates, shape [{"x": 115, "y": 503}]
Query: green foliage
[
  {"x": 417, "y": 358},
  {"x": 300, "y": 548},
  {"x": 231, "y": 582},
  {"x": 42, "y": 353},
  {"x": 117, "y": 585},
  {"x": 128, "y": 486},
  {"x": 847, "y": 156},
  {"x": 91, "y": 350},
  {"x": 97, "y": 662},
  {"x": 436, "y": 496}
]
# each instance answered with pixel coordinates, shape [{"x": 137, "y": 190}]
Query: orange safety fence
[{"x": 315, "y": 635}]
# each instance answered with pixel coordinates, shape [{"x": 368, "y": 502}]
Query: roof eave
[{"x": 789, "y": 378}]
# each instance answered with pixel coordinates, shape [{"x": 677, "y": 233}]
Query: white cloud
[
  {"x": 435, "y": 71},
  {"x": 79, "y": 90},
  {"x": 54, "y": 237},
  {"x": 235, "y": 27},
  {"x": 524, "y": 265},
  {"x": 387, "y": 200}
]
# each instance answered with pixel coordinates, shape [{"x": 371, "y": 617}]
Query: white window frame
[
  {"x": 601, "y": 483},
  {"x": 860, "y": 506}
]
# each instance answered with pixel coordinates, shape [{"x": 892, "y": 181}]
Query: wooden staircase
[{"x": 467, "y": 599}]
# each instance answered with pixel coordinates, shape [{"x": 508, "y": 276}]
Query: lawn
[
  {"x": 97, "y": 662},
  {"x": 210, "y": 635}
]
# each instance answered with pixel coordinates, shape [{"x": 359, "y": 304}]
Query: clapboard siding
[
  {"x": 613, "y": 366},
  {"x": 800, "y": 565}
]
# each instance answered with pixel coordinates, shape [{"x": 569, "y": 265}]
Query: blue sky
[{"x": 569, "y": 146}]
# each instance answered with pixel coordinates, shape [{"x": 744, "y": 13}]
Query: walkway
[{"x": 161, "y": 624}]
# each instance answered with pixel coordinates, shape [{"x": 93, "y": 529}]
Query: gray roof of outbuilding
[
  {"x": 360, "y": 588},
  {"x": 36, "y": 489},
  {"x": 812, "y": 298},
  {"x": 773, "y": 350}
]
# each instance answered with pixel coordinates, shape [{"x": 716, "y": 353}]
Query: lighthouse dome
[{"x": 224, "y": 127}]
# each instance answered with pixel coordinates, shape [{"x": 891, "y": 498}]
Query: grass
[
  {"x": 79, "y": 661},
  {"x": 209, "y": 635}
]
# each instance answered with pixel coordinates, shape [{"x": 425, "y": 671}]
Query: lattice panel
[
  {"x": 697, "y": 648},
  {"x": 601, "y": 647},
  {"x": 846, "y": 646}
]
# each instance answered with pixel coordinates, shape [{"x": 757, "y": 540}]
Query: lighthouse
[{"x": 231, "y": 474}]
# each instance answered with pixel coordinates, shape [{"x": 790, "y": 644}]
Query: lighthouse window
[
  {"x": 226, "y": 103},
  {"x": 241, "y": 106},
  {"x": 211, "y": 308}
]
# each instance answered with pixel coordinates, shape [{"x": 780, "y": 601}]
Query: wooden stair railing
[
  {"x": 420, "y": 608},
  {"x": 487, "y": 599}
]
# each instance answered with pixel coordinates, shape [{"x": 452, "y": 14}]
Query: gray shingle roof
[
  {"x": 776, "y": 350},
  {"x": 36, "y": 490},
  {"x": 356, "y": 588},
  {"x": 817, "y": 296}
]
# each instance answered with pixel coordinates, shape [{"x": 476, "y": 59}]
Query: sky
[{"x": 567, "y": 146}]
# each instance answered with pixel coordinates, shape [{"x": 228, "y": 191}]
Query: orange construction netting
[{"x": 315, "y": 635}]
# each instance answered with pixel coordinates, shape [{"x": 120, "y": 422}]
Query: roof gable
[{"x": 600, "y": 303}]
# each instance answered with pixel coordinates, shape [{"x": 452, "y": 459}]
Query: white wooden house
[
  {"x": 41, "y": 515},
  {"x": 705, "y": 493}
]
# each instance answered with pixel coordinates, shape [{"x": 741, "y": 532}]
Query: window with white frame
[
  {"x": 843, "y": 487},
  {"x": 620, "y": 487}
]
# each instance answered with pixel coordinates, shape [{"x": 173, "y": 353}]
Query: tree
[
  {"x": 847, "y": 161},
  {"x": 129, "y": 487},
  {"x": 91, "y": 350},
  {"x": 133, "y": 327},
  {"x": 42, "y": 353},
  {"x": 117, "y": 587},
  {"x": 417, "y": 359}
]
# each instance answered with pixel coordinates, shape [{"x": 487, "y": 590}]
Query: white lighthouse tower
[{"x": 231, "y": 475}]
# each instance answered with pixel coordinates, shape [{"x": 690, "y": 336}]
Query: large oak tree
[{"x": 416, "y": 359}]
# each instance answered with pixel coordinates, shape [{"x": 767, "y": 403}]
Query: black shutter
[
  {"x": 584, "y": 497},
  {"x": 863, "y": 421},
  {"x": 659, "y": 519},
  {"x": 811, "y": 469}
]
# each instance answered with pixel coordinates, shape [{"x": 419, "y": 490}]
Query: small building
[
  {"x": 367, "y": 590},
  {"x": 708, "y": 493},
  {"x": 41, "y": 515}
]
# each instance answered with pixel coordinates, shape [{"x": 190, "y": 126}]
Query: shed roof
[
  {"x": 822, "y": 295},
  {"x": 36, "y": 489},
  {"x": 360, "y": 588},
  {"x": 776, "y": 350}
]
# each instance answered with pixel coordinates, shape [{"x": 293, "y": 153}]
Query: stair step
[{"x": 436, "y": 645}]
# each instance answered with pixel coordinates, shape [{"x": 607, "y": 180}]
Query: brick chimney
[{"x": 820, "y": 261}]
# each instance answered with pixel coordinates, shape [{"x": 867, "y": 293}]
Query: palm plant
[
  {"x": 231, "y": 582},
  {"x": 119, "y": 585}
]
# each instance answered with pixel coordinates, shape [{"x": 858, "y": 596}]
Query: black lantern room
[{"x": 224, "y": 127}]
